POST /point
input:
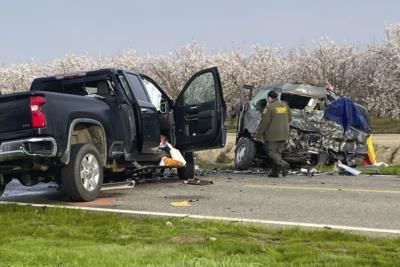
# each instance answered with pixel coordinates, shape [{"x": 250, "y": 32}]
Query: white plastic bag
[{"x": 176, "y": 154}]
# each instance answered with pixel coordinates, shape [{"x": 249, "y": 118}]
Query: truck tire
[
  {"x": 244, "y": 153},
  {"x": 82, "y": 178},
  {"x": 187, "y": 172}
]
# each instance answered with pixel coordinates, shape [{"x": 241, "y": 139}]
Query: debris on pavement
[
  {"x": 197, "y": 181},
  {"x": 129, "y": 184},
  {"x": 348, "y": 169},
  {"x": 202, "y": 176},
  {"x": 309, "y": 172},
  {"x": 180, "y": 204}
]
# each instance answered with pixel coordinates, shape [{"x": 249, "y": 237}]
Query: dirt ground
[
  {"x": 387, "y": 148},
  {"x": 386, "y": 139}
]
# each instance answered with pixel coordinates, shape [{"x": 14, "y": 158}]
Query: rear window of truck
[{"x": 85, "y": 87}]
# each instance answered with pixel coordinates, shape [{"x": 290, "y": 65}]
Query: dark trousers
[{"x": 274, "y": 151}]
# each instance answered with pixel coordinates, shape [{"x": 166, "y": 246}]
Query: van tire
[
  {"x": 82, "y": 178},
  {"x": 187, "y": 172},
  {"x": 244, "y": 153}
]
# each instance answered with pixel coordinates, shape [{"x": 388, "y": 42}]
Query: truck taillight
[{"x": 37, "y": 116}]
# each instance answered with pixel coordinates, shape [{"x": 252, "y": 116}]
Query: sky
[{"x": 45, "y": 30}]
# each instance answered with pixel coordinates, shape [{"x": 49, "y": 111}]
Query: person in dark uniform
[{"x": 274, "y": 130}]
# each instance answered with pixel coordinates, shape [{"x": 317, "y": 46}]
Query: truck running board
[{"x": 118, "y": 185}]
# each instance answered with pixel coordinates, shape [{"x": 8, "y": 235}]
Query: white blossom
[{"x": 369, "y": 74}]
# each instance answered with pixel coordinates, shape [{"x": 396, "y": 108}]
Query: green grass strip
[
  {"x": 31, "y": 236},
  {"x": 385, "y": 125}
]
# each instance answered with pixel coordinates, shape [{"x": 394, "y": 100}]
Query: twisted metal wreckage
[{"x": 325, "y": 128}]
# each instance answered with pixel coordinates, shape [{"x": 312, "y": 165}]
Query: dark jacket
[{"x": 274, "y": 124}]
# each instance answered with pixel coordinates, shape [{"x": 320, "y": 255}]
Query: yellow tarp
[{"x": 371, "y": 150}]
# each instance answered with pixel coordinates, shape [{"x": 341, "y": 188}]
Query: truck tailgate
[{"x": 14, "y": 112}]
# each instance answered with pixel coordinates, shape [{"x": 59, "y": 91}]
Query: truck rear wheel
[
  {"x": 82, "y": 178},
  {"x": 244, "y": 153},
  {"x": 187, "y": 172}
]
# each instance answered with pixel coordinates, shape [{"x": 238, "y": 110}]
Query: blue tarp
[{"x": 346, "y": 113}]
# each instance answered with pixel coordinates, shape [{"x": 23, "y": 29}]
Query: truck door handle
[
  {"x": 144, "y": 110},
  {"x": 193, "y": 109}
]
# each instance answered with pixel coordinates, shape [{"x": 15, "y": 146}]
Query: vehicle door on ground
[
  {"x": 146, "y": 116},
  {"x": 200, "y": 113}
]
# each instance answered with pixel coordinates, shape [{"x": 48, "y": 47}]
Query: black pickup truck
[{"x": 86, "y": 129}]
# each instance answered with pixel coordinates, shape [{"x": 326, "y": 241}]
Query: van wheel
[
  {"x": 187, "y": 172},
  {"x": 244, "y": 153},
  {"x": 82, "y": 178}
]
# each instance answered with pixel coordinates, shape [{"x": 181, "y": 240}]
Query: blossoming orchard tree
[
  {"x": 369, "y": 74},
  {"x": 386, "y": 81}
]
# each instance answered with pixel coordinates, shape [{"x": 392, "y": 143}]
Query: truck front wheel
[
  {"x": 244, "y": 153},
  {"x": 187, "y": 172},
  {"x": 82, "y": 178}
]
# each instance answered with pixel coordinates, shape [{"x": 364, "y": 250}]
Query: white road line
[{"x": 218, "y": 218}]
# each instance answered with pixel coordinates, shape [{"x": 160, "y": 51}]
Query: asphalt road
[{"x": 356, "y": 201}]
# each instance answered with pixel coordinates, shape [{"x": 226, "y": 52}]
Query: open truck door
[{"x": 200, "y": 113}]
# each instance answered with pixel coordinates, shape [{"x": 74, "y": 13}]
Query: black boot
[
  {"x": 285, "y": 169},
  {"x": 285, "y": 172}
]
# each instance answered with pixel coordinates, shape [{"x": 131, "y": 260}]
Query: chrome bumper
[{"x": 25, "y": 148}]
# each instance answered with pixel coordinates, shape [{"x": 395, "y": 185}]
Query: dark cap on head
[{"x": 272, "y": 94}]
